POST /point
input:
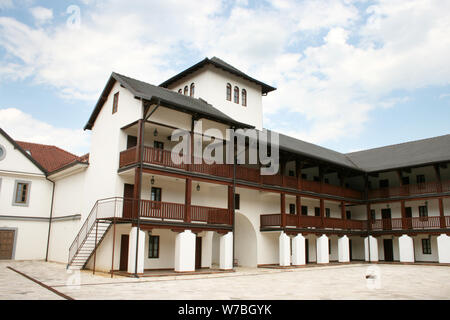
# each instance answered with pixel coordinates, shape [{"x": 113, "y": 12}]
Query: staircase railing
[{"x": 90, "y": 221}]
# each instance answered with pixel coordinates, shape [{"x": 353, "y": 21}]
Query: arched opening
[{"x": 245, "y": 251}]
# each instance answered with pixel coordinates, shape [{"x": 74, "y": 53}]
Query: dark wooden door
[
  {"x": 128, "y": 192},
  {"x": 388, "y": 250},
  {"x": 350, "y": 249},
  {"x": 306, "y": 251},
  {"x": 6, "y": 244},
  {"x": 198, "y": 253},
  {"x": 386, "y": 216},
  {"x": 124, "y": 242},
  {"x": 408, "y": 216}
]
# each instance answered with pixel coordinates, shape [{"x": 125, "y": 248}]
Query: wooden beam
[{"x": 187, "y": 200}]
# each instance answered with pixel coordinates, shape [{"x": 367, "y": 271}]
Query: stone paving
[{"x": 327, "y": 282}]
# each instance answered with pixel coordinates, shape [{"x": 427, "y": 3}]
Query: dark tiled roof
[
  {"x": 222, "y": 65},
  {"x": 167, "y": 97},
  {"x": 408, "y": 154},
  {"x": 51, "y": 158}
]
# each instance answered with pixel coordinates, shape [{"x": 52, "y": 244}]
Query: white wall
[{"x": 418, "y": 252}]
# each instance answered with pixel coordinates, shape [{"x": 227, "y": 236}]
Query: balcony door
[
  {"x": 388, "y": 250},
  {"x": 408, "y": 216},
  {"x": 155, "y": 197},
  {"x": 198, "y": 253},
  {"x": 159, "y": 151},
  {"x": 386, "y": 216},
  {"x": 128, "y": 193}
]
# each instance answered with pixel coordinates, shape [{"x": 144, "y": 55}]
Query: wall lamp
[{"x": 152, "y": 181}]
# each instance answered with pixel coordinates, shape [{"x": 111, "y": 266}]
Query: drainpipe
[
  {"x": 50, "y": 219},
  {"x": 234, "y": 199}
]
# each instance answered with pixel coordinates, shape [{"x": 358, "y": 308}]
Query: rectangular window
[
  {"x": 156, "y": 194},
  {"x": 131, "y": 142},
  {"x": 405, "y": 181},
  {"x": 304, "y": 210},
  {"x": 304, "y": 176},
  {"x": 384, "y": 183},
  {"x": 115, "y": 102},
  {"x": 21, "y": 193},
  {"x": 423, "y": 212},
  {"x": 426, "y": 246},
  {"x": 420, "y": 178},
  {"x": 291, "y": 173},
  {"x": 372, "y": 214},
  {"x": 158, "y": 145},
  {"x": 316, "y": 178},
  {"x": 291, "y": 208},
  {"x": 153, "y": 247},
  {"x": 237, "y": 201},
  {"x": 348, "y": 215},
  {"x": 317, "y": 211},
  {"x": 327, "y": 212}
]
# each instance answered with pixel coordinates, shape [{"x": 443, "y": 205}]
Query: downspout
[
  {"x": 234, "y": 201},
  {"x": 50, "y": 219},
  {"x": 141, "y": 162}
]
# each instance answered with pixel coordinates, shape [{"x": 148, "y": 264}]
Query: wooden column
[
  {"x": 282, "y": 170},
  {"x": 343, "y": 216},
  {"x": 369, "y": 223},
  {"x": 298, "y": 205},
  {"x": 136, "y": 192},
  {"x": 298, "y": 169},
  {"x": 230, "y": 204},
  {"x": 283, "y": 209},
  {"x": 441, "y": 213},
  {"x": 187, "y": 200},
  {"x": 437, "y": 170},
  {"x": 322, "y": 212},
  {"x": 139, "y": 140},
  {"x": 403, "y": 212}
]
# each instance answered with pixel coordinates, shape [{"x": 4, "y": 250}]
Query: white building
[{"x": 127, "y": 207}]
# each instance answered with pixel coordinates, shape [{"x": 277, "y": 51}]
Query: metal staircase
[{"x": 92, "y": 232}]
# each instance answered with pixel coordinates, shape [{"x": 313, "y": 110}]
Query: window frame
[
  {"x": 186, "y": 90},
  {"x": 192, "y": 90},
  {"x": 426, "y": 249},
  {"x": 304, "y": 210},
  {"x": 152, "y": 246},
  {"x": 423, "y": 214},
  {"x": 292, "y": 208},
  {"x": 229, "y": 92},
  {"x": 327, "y": 213},
  {"x": 317, "y": 211},
  {"x": 244, "y": 98},
  {"x": 2, "y": 156},
  {"x": 115, "y": 106},
  {"x": 236, "y": 95},
  {"x": 28, "y": 193}
]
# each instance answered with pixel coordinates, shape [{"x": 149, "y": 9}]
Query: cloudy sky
[{"x": 351, "y": 74}]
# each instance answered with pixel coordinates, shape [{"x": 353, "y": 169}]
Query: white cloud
[
  {"x": 4, "y": 4},
  {"x": 23, "y": 127},
  {"x": 42, "y": 15},
  {"x": 334, "y": 83}
]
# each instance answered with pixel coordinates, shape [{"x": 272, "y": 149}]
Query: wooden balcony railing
[
  {"x": 176, "y": 211},
  {"x": 164, "y": 158},
  {"x": 416, "y": 223},
  {"x": 411, "y": 189},
  {"x": 274, "y": 220}
]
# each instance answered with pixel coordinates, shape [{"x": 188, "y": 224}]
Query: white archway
[{"x": 245, "y": 250}]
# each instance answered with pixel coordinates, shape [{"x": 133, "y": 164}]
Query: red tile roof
[{"x": 51, "y": 158}]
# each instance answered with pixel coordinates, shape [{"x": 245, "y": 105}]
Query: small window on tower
[
  {"x": 115, "y": 102},
  {"x": 244, "y": 97},
  {"x": 228, "y": 92}
]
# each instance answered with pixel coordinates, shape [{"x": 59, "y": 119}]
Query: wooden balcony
[
  {"x": 409, "y": 190},
  {"x": 176, "y": 212},
  {"x": 274, "y": 220},
  {"x": 164, "y": 158},
  {"x": 417, "y": 223}
]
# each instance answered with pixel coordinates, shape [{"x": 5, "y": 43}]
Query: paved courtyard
[{"x": 328, "y": 282}]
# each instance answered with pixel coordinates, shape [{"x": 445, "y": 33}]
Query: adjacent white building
[{"x": 128, "y": 207}]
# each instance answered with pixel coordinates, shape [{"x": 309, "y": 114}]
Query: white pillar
[
  {"x": 132, "y": 251},
  {"x": 443, "y": 247},
  {"x": 323, "y": 254},
  {"x": 185, "y": 251},
  {"x": 298, "y": 250},
  {"x": 207, "y": 240},
  {"x": 226, "y": 251},
  {"x": 373, "y": 248},
  {"x": 406, "y": 248},
  {"x": 285, "y": 250},
  {"x": 344, "y": 249}
]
